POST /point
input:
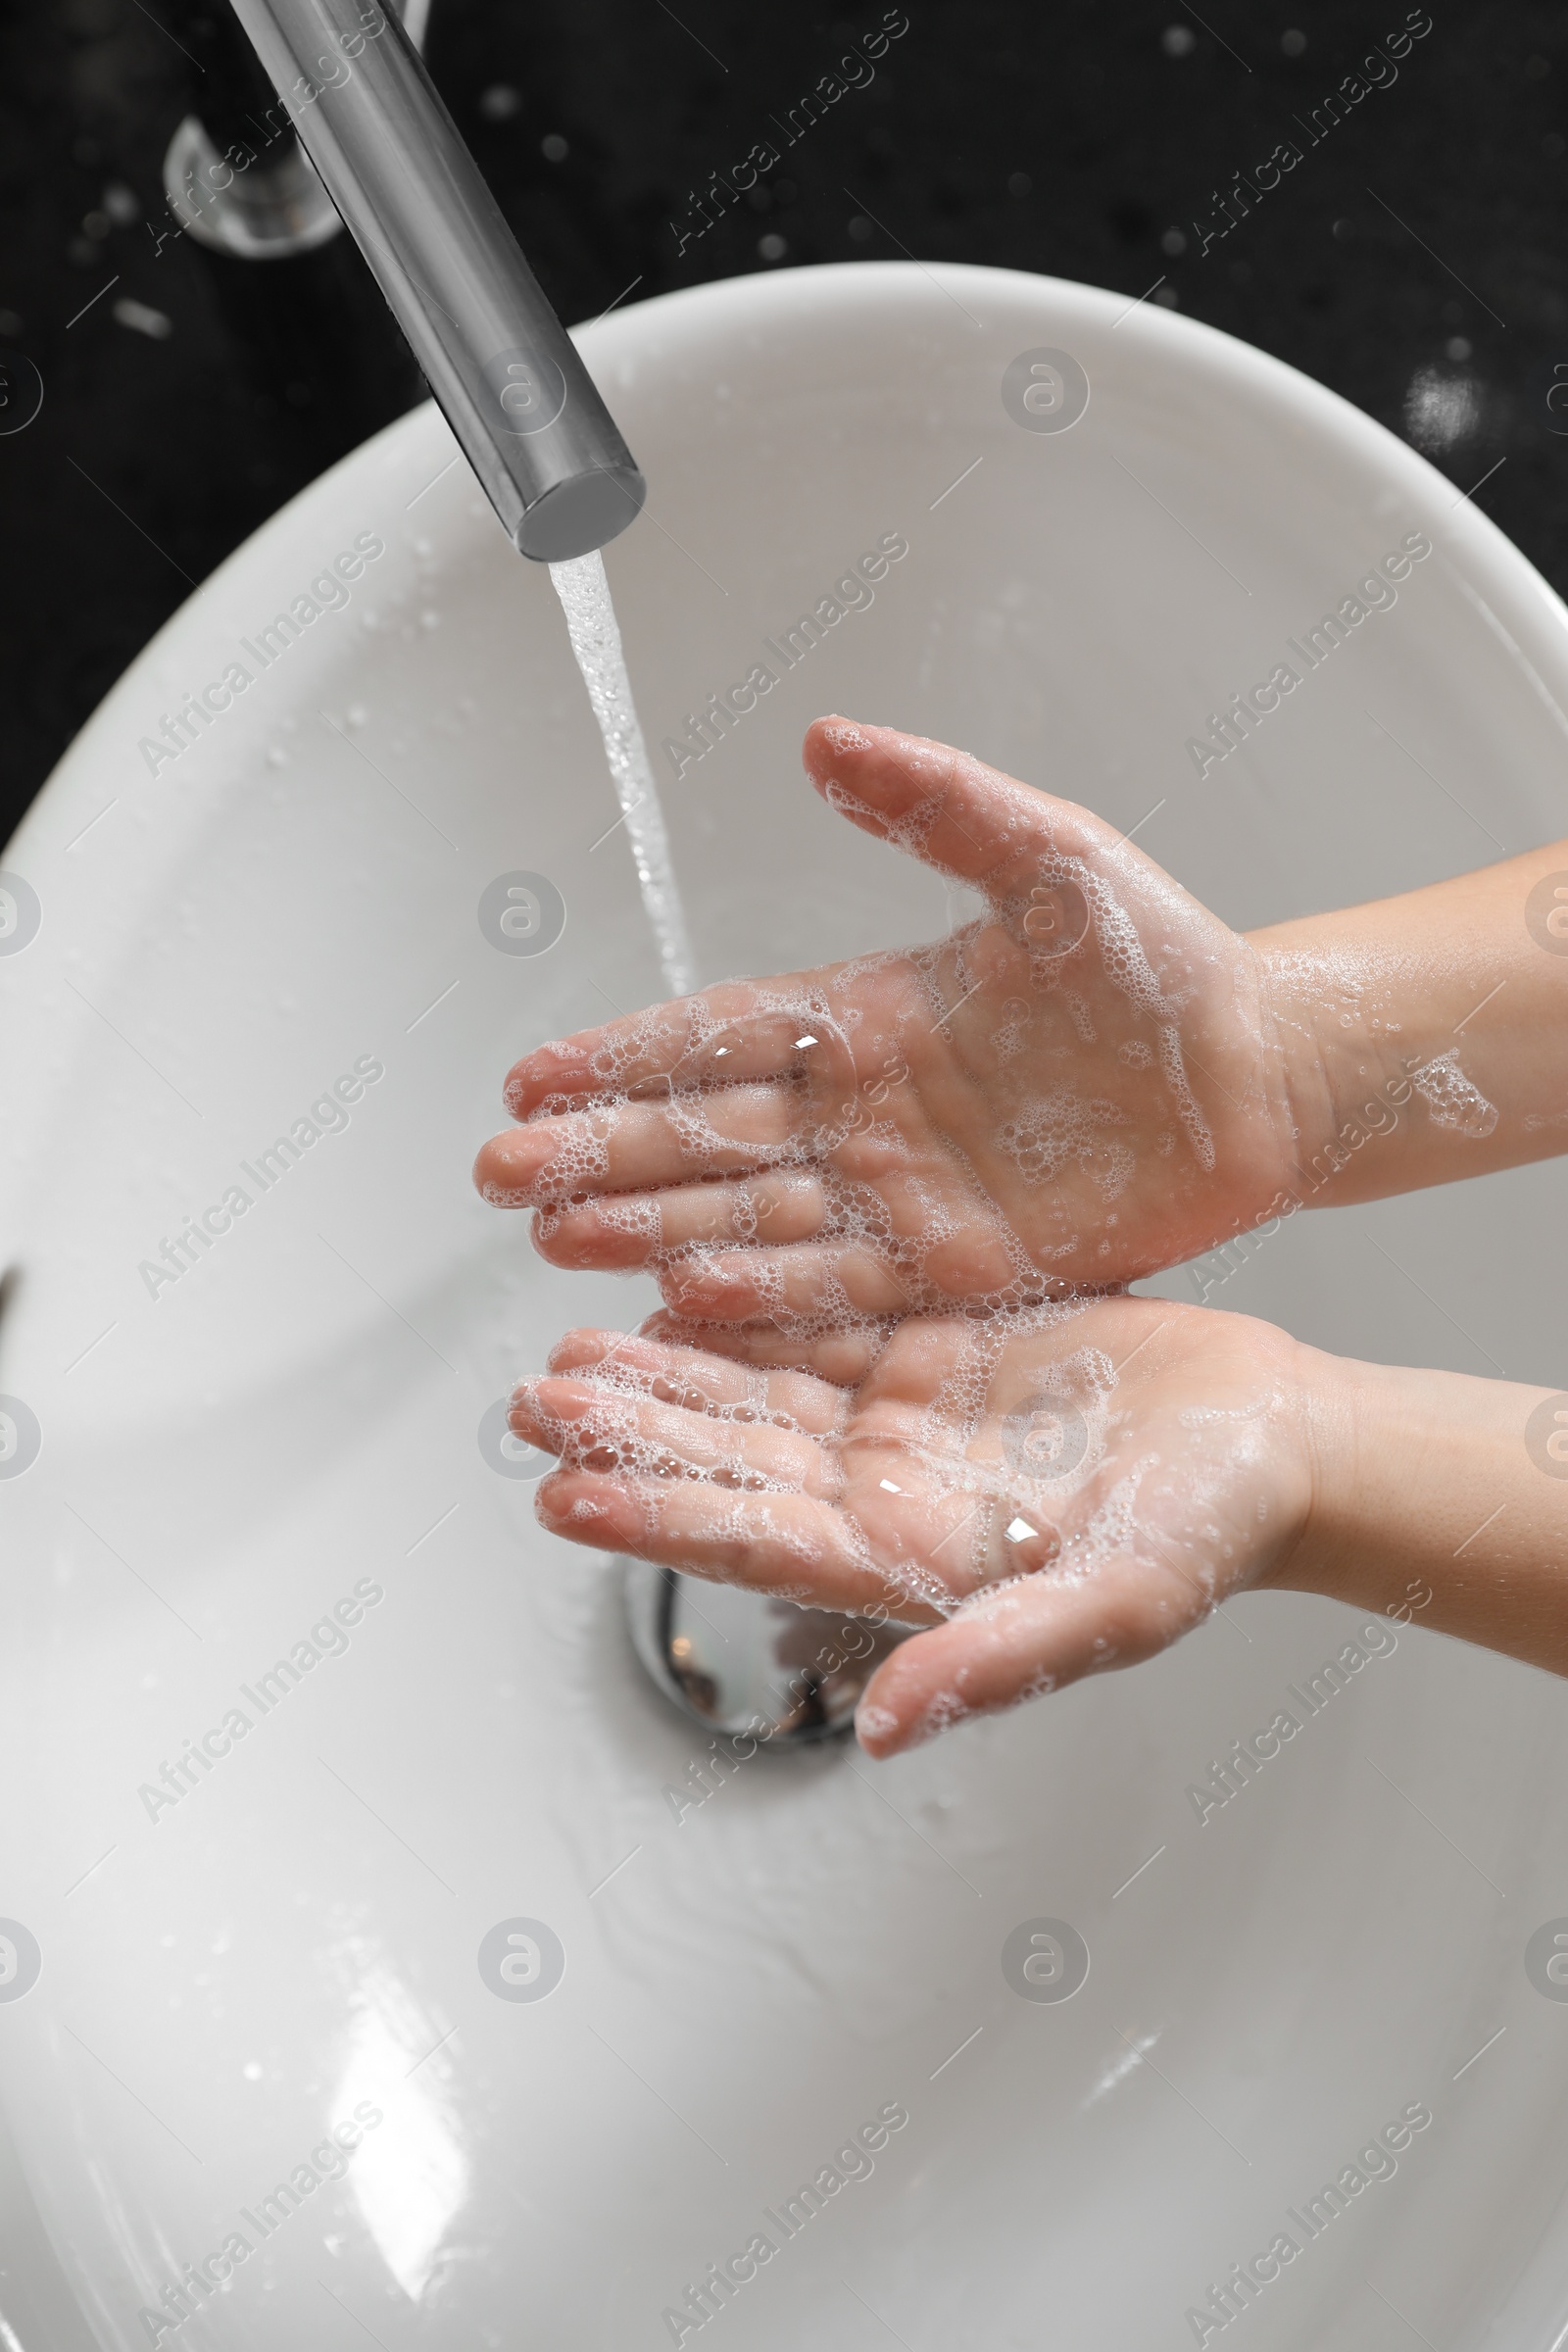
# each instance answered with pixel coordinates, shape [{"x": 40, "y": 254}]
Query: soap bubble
[
  {"x": 1452, "y": 1098},
  {"x": 805, "y": 1059}
]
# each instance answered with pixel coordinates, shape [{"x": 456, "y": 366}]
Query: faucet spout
[{"x": 501, "y": 366}]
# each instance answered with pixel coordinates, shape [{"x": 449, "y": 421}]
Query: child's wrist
[
  {"x": 1431, "y": 1481},
  {"x": 1341, "y": 1084}
]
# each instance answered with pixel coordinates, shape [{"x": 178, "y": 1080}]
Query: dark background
[{"x": 1415, "y": 260}]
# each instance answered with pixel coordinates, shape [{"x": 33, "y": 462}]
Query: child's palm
[
  {"x": 1073, "y": 1090},
  {"x": 1069, "y": 1487}
]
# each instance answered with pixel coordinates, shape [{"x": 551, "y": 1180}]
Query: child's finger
[
  {"x": 743, "y": 1286},
  {"x": 700, "y": 1380},
  {"x": 629, "y": 1229},
  {"x": 623, "y": 1146},
  {"x": 795, "y": 1546},
  {"x": 609, "y": 1430},
  {"x": 946, "y": 807},
  {"x": 718, "y": 1036},
  {"x": 1020, "y": 1639},
  {"x": 843, "y": 1357}
]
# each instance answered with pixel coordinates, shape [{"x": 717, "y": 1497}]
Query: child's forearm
[
  {"x": 1425, "y": 1038},
  {"x": 1436, "y": 1482}
]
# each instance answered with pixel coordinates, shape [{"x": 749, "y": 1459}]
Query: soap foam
[{"x": 1452, "y": 1098}]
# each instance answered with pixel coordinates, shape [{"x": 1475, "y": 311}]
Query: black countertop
[{"x": 1411, "y": 254}]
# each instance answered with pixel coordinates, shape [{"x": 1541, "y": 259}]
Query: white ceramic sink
[{"x": 227, "y": 1456}]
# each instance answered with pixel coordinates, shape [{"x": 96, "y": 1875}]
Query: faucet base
[{"x": 271, "y": 208}]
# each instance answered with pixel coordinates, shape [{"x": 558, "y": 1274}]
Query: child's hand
[
  {"x": 1069, "y": 1487},
  {"x": 1094, "y": 1080},
  {"x": 1078, "y": 1089}
]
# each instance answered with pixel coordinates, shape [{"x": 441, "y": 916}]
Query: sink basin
[{"x": 380, "y": 1956}]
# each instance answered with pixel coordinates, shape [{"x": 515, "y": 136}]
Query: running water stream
[
  {"x": 759, "y": 1680},
  {"x": 584, "y": 593}
]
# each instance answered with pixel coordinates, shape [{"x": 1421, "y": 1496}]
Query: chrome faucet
[
  {"x": 502, "y": 368},
  {"x": 388, "y": 157}
]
